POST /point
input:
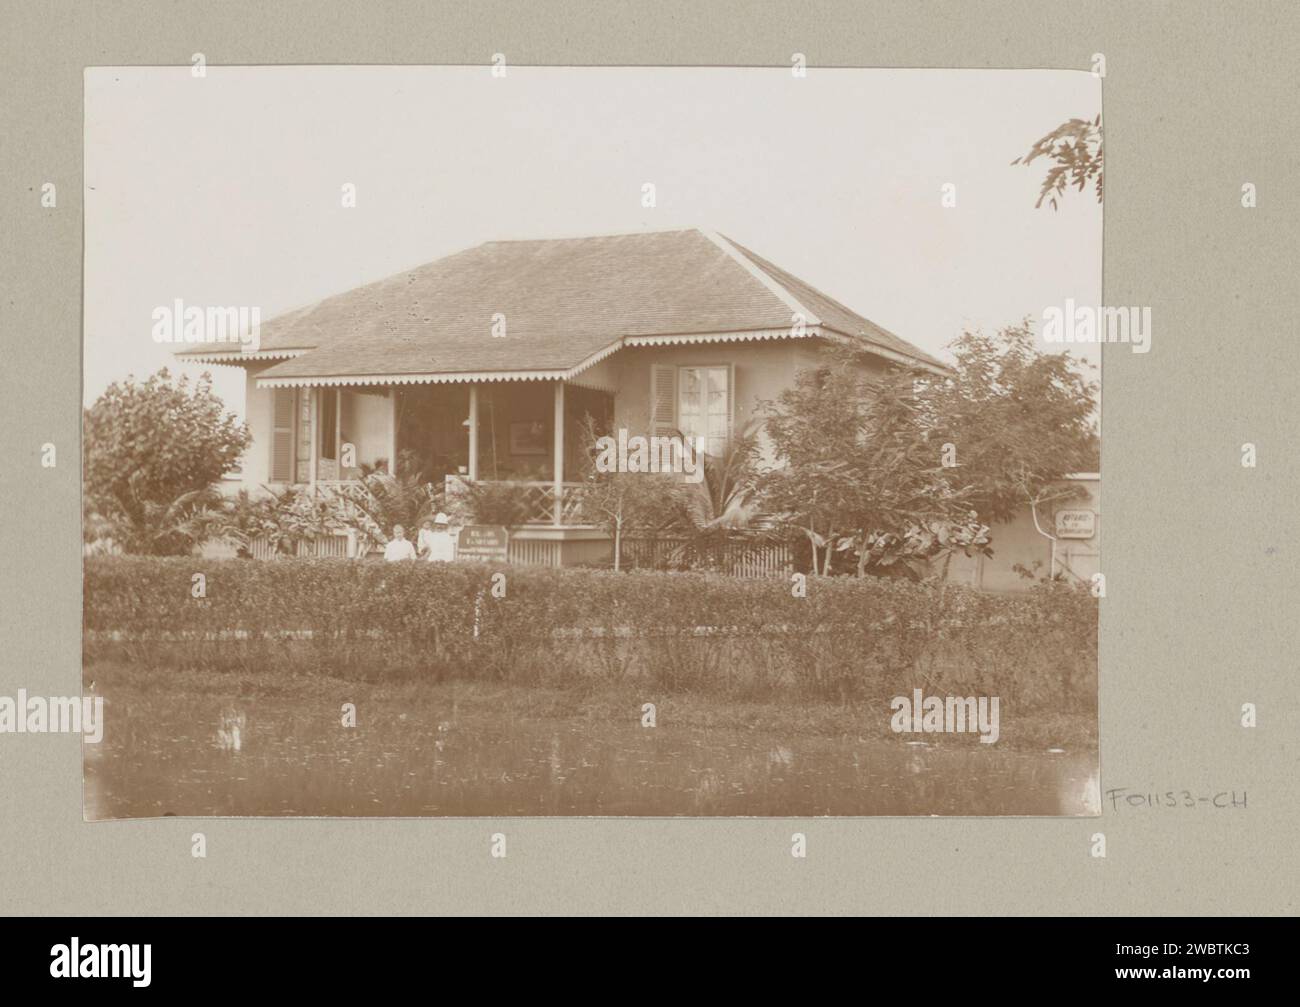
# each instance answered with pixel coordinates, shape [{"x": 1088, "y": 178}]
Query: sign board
[
  {"x": 1076, "y": 523},
  {"x": 485, "y": 542}
]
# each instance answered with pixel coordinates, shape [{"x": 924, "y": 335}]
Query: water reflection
[
  {"x": 230, "y": 730},
  {"x": 281, "y": 756}
]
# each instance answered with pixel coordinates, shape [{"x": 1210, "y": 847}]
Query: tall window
[{"x": 704, "y": 405}]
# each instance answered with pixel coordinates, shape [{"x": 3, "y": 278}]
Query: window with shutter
[{"x": 282, "y": 435}]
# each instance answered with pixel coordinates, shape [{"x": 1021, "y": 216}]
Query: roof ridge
[
  {"x": 743, "y": 258},
  {"x": 767, "y": 265}
]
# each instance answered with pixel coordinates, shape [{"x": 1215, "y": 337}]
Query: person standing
[
  {"x": 399, "y": 546},
  {"x": 424, "y": 539},
  {"x": 437, "y": 546}
]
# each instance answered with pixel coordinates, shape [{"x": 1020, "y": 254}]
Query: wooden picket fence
[
  {"x": 734, "y": 558},
  {"x": 335, "y": 546}
]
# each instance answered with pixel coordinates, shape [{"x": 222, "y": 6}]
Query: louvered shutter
[
  {"x": 282, "y": 435},
  {"x": 663, "y": 400}
]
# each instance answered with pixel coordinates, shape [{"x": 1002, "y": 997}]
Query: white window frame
[{"x": 730, "y": 368}]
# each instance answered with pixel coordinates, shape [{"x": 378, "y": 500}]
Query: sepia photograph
[{"x": 498, "y": 440}]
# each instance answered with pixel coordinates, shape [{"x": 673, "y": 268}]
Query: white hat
[{"x": 440, "y": 519}]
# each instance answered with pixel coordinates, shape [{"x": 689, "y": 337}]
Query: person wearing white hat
[{"x": 435, "y": 542}]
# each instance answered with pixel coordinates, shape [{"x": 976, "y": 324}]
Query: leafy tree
[
  {"x": 622, "y": 502},
  {"x": 1077, "y": 150},
  {"x": 907, "y": 467},
  {"x": 813, "y": 427},
  {"x": 860, "y": 473},
  {"x": 1018, "y": 419},
  {"x": 152, "y": 452}
]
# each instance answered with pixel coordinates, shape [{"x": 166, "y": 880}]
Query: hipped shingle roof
[{"x": 563, "y": 302}]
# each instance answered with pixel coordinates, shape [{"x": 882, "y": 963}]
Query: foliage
[
  {"x": 1077, "y": 149},
  {"x": 374, "y": 504},
  {"x": 244, "y": 518},
  {"x": 623, "y": 502},
  {"x": 1018, "y": 419},
  {"x": 718, "y": 517},
  {"x": 724, "y": 499},
  {"x": 902, "y": 468},
  {"x": 151, "y": 452},
  {"x": 282, "y": 518},
  {"x": 497, "y": 503},
  {"x": 175, "y": 528},
  {"x": 861, "y": 474},
  {"x": 849, "y": 639}
]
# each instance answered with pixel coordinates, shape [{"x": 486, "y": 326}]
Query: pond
[{"x": 286, "y": 756}]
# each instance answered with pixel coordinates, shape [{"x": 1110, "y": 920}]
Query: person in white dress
[{"x": 436, "y": 543}]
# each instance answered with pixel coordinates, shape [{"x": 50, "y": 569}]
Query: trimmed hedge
[{"x": 848, "y": 639}]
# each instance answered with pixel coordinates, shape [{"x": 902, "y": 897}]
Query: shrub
[
  {"x": 152, "y": 450},
  {"x": 499, "y": 503},
  {"x": 282, "y": 518},
  {"x": 851, "y": 640}
]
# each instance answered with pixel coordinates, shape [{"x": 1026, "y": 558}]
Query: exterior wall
[
  {"x": 256, "y": 463},
  {"x": 1019, "y": 542},
  {"x": 763, "y": 369}
]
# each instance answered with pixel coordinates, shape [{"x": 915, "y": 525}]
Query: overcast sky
[{"x": 225, "y": 190}]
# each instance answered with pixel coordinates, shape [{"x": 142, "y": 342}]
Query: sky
[{"x": 226, "y": 189}]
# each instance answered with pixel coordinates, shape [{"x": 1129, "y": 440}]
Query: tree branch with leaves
[{"x": 1077, "y": 152}]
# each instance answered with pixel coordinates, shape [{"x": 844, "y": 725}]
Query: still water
[{"x": 279, "y": 756}]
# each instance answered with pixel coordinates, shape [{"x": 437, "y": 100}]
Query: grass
[{"x": 590, "y": 702}]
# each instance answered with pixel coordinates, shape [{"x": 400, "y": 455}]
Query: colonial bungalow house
[{"x": 483, "y": 365}]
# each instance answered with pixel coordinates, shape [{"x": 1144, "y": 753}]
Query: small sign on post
[
  {"x": 484, "y": 542},
  {"x": 1076, "y": 523}
]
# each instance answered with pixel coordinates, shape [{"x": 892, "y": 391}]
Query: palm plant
[
  {"x": 377, "y": 502},
  {"x": 721, "y": 508},
  {"x": 175, "y": 528},
  {"x": 245, "y": 519}
]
